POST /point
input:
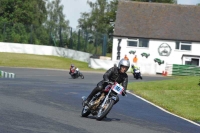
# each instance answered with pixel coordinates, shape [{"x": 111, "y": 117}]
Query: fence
[
  {"x": 91, "y": 42},
  {"x": 182, "y": 70}
]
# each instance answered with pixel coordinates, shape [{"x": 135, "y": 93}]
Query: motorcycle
[
  {"x": 137, "y": 74},
  {"x": 77, "y": 74},
  {"x": 101, "y": 104}
]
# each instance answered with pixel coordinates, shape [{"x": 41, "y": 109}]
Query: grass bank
[
  {"x": 40, "y": 61},
  {"x": 180, "y": 95}
]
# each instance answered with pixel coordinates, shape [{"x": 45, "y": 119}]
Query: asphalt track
[{"x": 49, "y": 101}]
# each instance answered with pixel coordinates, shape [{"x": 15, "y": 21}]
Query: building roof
[{"x": 158, "y": 21}]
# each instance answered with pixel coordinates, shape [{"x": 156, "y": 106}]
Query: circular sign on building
[{"x": 164, "y": 49}]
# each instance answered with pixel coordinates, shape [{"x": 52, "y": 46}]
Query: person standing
[
  {"x": 126, "y": 58},
  {"x": 135, "y": 59}
]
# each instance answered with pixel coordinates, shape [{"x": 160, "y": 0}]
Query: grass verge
[
  {"x": 180, "y": 95},
  {"x": 41, "y": 61}
]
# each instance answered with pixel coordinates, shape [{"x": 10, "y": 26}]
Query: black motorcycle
[
  {"x": 137, "y": 74},
  {"x": 77, "y": 74},
  {"x": 101, "y": 104}
]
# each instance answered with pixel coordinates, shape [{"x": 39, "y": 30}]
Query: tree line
[
  {"x": 35, "y": 21},
  {"x": 43, "y": 22}
]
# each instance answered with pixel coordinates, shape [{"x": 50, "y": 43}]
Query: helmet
[
  {"x": 72, "y": 65},
  {"x": 124, "y": 62}
]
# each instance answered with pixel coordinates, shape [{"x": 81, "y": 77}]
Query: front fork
[{"x": 105, "y": 99}]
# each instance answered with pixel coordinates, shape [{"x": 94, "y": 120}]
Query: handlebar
[{"x": 110, "y": 82}]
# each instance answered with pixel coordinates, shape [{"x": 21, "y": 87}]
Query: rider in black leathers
[{"x": 117, "y": 74}]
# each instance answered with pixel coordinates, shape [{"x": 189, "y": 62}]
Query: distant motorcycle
[
  {"x": 77, "y": 74},
  {"x": 137, "y": 74}
]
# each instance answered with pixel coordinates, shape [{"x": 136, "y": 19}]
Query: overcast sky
[{"x": 73, "y": 8}]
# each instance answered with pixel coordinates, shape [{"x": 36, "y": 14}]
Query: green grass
[
  {"x": 180, "y": 95},
  {"x": 41, "y": 61},
  {"x": 109, "y": 54}
]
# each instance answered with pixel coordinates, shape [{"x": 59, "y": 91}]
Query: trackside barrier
[
  {"x": 4, "y": 74},
  {"x": 168, "y": 70},
  {"x": 182, "y": 70}
]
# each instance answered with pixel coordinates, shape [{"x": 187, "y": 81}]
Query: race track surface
[{"x": 49, "y": 101}]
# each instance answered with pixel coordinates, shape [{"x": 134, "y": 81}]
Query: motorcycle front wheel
[
  {"x": 85, "y": 111},
  {"x": 81, "y": 75},
  {"x": 105, "y": 110}
]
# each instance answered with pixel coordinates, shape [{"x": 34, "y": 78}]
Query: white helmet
[{"x": 124, "y": 62}]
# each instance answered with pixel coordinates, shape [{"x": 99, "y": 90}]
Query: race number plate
[{"x": 118, "y": 88}]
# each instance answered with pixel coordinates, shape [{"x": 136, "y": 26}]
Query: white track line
[{"x": 163, "y": 109}]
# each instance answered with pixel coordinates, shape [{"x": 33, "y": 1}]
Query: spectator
[
  {"x": 126, "y": 58},
  {"x": 135, "y": 59}
]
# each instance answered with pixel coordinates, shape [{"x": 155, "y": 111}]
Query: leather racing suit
[{"x": 114, "y": 75}]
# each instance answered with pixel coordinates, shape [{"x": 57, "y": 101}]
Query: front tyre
[
  {"x": 81, "y": 75},
  {"x": 105, "y": 110},
  {"x": 85, "y": 112},
  {"x": 73, "y": 76}
]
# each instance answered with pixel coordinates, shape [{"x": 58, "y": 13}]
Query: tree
[
  {"x": 17, "y": 18},
  {"x": 56, "y": 24},
  {"x": 34, "y": 21},
  {"x": 23, "y": 11}
]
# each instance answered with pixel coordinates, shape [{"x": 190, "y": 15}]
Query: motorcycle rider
[
  {"x": 114, "y": 74},
  {"x": 133, "y": 69},
  {"x": 72, "y": 69}
]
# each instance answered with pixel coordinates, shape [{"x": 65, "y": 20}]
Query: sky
[{"x": 73, "y": 8}]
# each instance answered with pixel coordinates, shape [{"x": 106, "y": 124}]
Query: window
[
  {"x": 143, "y": 42},
  {"x": 133, "y": 42},
  {"x": 187, "y": 62},
  {"x": 194, "y": 62},
  {"x": 177, "y": 45},
  {"x": 184, "y": 46},
  {"x": 138, "y": 42}
]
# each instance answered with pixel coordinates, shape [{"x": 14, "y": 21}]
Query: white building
[{"x": 166, "y": 32}]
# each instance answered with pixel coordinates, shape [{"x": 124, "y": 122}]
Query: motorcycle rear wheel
[{"x": 103, "y": 112}]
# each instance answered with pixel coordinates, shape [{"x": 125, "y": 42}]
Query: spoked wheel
[
  {"x": 81, "y": 75},
  {"x": 105, "y": 110},
  {"x": 85, "y": 112}
]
